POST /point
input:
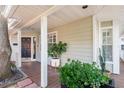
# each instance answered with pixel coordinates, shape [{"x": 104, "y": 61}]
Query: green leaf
[{"x": 78, "y": 74}]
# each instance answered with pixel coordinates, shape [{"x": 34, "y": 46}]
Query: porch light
[{"x": 84, "y": 6}]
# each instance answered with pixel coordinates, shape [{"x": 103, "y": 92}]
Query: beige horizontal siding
[{"x": 79, "y": 37}]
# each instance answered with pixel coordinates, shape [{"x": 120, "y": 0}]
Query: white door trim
[
  {"x": 97, "y": 42},
  {"x": 115, "y": 48}
]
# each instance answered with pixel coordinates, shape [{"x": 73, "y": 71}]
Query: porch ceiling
[
  {"x": 67, "y": 14},
  {"x": 71, "y": 13},
  {"x": 25, "y": 13}
]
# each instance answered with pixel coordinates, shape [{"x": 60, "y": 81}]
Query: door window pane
[
  {"x": 108, "y": 52},
  {"x": 104, "y": 34},
  {"x": 104, "y": 40},
  {"x": 107, "y": 40},
  {"x": 109, "y": 32}
]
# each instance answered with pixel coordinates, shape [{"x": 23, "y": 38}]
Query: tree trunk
[{"x": 5, "y": 49}]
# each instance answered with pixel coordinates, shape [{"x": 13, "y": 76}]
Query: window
[
  {"x": 52, "y": 37},
  {"x": 122, "y": 47},
  {"x": 106, "y": 28}
]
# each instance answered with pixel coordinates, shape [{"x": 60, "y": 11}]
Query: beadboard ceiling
[
  {"x": 68, "y": 14},
  {"x": 27, "y": 12}
]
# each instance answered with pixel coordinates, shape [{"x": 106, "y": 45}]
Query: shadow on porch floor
[
  {"x": 119, "y": 79},
  {"x": 32, "y": 69}
]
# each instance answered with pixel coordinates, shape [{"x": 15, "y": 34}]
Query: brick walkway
[{"x": 26, "y": 83}]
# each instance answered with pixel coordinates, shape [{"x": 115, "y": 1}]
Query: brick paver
[{"x": 24, "y": 83}]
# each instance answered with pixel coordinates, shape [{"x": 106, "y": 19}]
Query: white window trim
[{"x": 54, "y": 32}]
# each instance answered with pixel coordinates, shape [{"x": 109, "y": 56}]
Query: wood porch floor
[
  {"x": 119, "y": 79},
  {"x": 32, "y": 69}
]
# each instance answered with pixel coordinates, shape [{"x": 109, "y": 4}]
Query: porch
[
  {"x": 83, "y": 34},
  {"x": 32, "y": 69}
]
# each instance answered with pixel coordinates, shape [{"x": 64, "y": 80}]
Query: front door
[{"x": 26, "y": 47}]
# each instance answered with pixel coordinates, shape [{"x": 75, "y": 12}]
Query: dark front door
[{"x": 26, "y": 47}]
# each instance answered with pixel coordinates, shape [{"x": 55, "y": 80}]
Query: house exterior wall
[
  {"x": 14, "y": 48},
  {"x": 79, "y": 37}
]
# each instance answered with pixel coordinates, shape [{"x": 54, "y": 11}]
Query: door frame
[
  {"x": 30, "y": 59},
  {"x": 109, "y": 63},
  {"x": 97, "y": 41}
]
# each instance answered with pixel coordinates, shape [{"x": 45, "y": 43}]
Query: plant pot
[
  {"x": 63, "y": 86},
  {"x": 110, "y": 85},
  {"x": 13, "y": 70},
  {"x": 55, "y": 62}
]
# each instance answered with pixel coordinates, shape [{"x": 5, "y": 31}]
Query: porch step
[{"x": 24, "y": 83}]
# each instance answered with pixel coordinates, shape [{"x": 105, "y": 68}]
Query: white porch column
[
  {"x": 19, "y": 49},
  {"x": 95, "y": 39},
  {"x": 44, "y": 54},
  {"x": 116, "y": 47}
]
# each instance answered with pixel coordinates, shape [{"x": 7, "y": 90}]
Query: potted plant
[
  {"x": 55, "y": 51},
  {"x": 76, "y": 74},
  {"x": 13, "y": 67}
]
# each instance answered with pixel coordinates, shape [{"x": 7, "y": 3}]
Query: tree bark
[{"x": 5, "y": 49}]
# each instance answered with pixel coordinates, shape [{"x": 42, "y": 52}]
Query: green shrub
[
  {"x": 55, "y": 50},
  {"x": 76, "y": 74}
]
